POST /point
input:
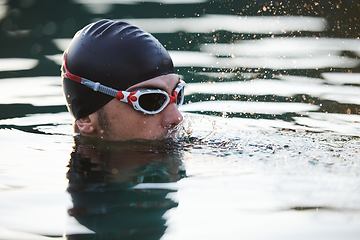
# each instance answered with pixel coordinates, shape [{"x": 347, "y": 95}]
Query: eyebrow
[
  {"x": 151, "y": 86},
  {"x": 145, "y": 87}
]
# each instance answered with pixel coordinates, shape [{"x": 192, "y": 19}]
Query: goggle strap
[{"x": 97, "y": 87}]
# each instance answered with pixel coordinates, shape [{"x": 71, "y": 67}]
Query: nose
[{"x": 171, "y": 116}]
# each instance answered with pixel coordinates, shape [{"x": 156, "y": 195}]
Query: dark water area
[
  {"x": 269, "y": 146},
  {"x": 123, "y": 197}
]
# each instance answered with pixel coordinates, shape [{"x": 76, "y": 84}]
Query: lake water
[{"x": 269, "y": 148}]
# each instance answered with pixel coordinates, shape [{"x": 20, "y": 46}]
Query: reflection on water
[
  {"x": 285, "y": 86},
  {"x": 249, "y": 107},
  {"x": 209, "y": 60},
  {"x": 115, "y": 187},
  {"x": 270, "y": 137},
  {"x": 233, "y": 24},
  {"x": 38, "y": 91},
  {"x": 342, "y": 78},
  {"x": 284, "y": 47},
  {"x": 286, "y": 53},
  {"x": 13, "y": 64}
]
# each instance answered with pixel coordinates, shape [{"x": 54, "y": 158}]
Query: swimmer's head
[{"x": 115, "y": 54}]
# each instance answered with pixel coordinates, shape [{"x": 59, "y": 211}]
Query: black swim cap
[{"x": 116, "y": 54}]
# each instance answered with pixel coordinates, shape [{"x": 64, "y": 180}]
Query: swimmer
[{"x": 119, "y": 83}]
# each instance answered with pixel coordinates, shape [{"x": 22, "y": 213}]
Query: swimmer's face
[{"x": 119, "y": 121}]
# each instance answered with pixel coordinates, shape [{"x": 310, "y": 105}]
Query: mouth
[{"x": 174, "y": 131}]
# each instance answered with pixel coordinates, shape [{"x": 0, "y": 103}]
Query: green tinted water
[{"x": 269, "y": 147}]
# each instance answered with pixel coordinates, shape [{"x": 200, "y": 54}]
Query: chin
[{"x": 164, "y": 135}]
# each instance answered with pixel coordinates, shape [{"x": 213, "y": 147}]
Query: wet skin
[{"x": 122, "y": 122}]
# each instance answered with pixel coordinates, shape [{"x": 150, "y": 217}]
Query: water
[{"x": 270, "y": 141}]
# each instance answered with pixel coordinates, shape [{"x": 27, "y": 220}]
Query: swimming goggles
[{"x": 148, "y": 101}]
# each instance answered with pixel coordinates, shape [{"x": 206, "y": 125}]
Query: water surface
[{"x": 269, "y": 147}]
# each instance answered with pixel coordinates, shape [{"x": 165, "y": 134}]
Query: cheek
[
  {"x": 129, "y": 124},
  {"x": 150, "y": 125}
]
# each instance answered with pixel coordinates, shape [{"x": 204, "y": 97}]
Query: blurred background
[
  {"x": 272, "y": 92},
  {"x": 303, "y": 45}
]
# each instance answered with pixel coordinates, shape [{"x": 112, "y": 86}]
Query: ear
[{"x": 85, "y": 125}]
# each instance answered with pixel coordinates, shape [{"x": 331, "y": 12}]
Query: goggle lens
[
  {"x": 180, "y": 98},
  {"x": 152, "y": 101}
]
